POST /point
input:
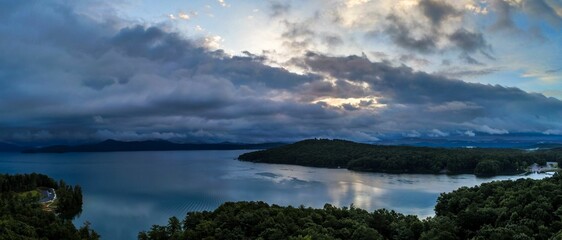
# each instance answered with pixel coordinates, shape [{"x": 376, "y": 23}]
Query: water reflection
[{"x": 126, "y": 192}]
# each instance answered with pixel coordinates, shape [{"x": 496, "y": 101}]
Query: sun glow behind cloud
[{"x": 356, "y": 103}]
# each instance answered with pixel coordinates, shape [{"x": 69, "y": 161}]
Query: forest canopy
[
  {"x": 521, "y": 209},
  {"x": 403, "y": 159}
]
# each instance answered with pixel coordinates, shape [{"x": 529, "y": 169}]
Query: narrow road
[{"x": 49, "y": 195}]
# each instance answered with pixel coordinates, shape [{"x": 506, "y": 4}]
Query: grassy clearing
[
  {"x": 36, "y": 194},
  {"x": 32, "y": 194}
]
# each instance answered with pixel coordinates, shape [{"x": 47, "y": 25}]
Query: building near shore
[{"x": 551, "y": 165}]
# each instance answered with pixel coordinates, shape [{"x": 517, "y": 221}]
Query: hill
[
  {"x": 7, "y": 147},
  {"x": 152, "y": 145},
  {"x": 403, "y": 159}
]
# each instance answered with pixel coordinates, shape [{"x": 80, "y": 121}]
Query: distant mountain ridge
[
  {"x": 111, "y": 145},
  {"x": 478, "y": 143},
  {"x": 8, "y": 147}
]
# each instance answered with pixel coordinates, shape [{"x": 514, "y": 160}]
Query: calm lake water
[{"x": 126, "y": 192}]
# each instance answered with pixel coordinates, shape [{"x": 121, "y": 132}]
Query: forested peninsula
[
  {"x": 483, "y": 162},
  {"x": 24, "y": 216}
]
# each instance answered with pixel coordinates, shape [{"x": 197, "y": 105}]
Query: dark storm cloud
[
  {"x": 65, "y": 76},
  {"x": 136, "y": 79},
  {"x": 469, "y": 41},
  {"x": 460, "y": 103},
  {"x": 401, "y": 34},
  {"x": 398, "y": 83},
  {"x": 437, "y": 11},
  {"x": 338, "y": 89},
  {"x": 154, "y": 44}
]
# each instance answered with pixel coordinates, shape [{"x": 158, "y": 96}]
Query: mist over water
[{"x": 127, "y": 192}]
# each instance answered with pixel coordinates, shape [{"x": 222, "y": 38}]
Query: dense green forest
[
  {"x": 521, "y": 209},
  {"x": 23, "y": 217},
  {"x": 403, "y": 159}
]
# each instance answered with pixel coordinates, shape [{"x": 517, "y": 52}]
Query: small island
[{"x": 483, "y": 162}]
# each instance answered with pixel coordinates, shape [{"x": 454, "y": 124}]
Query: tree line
[
  {"x": 23, "y": 217},
  {"x": 521, "y": 209},
  {"x": 403, "y": 159}
]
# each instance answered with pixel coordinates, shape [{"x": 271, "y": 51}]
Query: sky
[{"x": 262, "y": 71}]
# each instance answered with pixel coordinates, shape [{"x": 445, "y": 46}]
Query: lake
[{"x": 126, "y": 192}]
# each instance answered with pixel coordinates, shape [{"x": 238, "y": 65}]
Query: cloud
[
  {"x": 553, "y": 132},
  {"x": 298, "y": 36},
  {"x": 401, "y": 34},
  {"x": 411, "y": 59},
  {"x": 467, "y": 72},
  {"x": 469, "y": 133},
  {"x": 543, "y": 9},
  {"x": 470, "y": 60},
  {"x": 406, "y": 93},
  {"x": 504, "y": 13},
  {"x": 279, "y": 8},
  {"x": 427, "y": 27},
  {"x": 437, "y": 133},
  {"x": 454, "y": 106},
  {"x": 352, "y": 3},
  {"x": 223, "y": 3},
  {"x": 469, "y": 41},
  {"x": 133, "y": 136},
  {"x": 412, "y": 134},
  {"x": 88, "y": 79},
  {"x": 438, "y": 11},
  {"x": 184, "y": 16},
  {"x": 332, "y": 40},
  {"x": 489, "y": 130},
  {"x": 99, "y": 83},
  {"x": 98, "y": 119},
  {"x": 536, "y": 13},
  {"x": 213, "y": 42}
]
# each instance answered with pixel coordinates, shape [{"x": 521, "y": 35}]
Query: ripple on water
[{"x": 268, "y": 174}]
